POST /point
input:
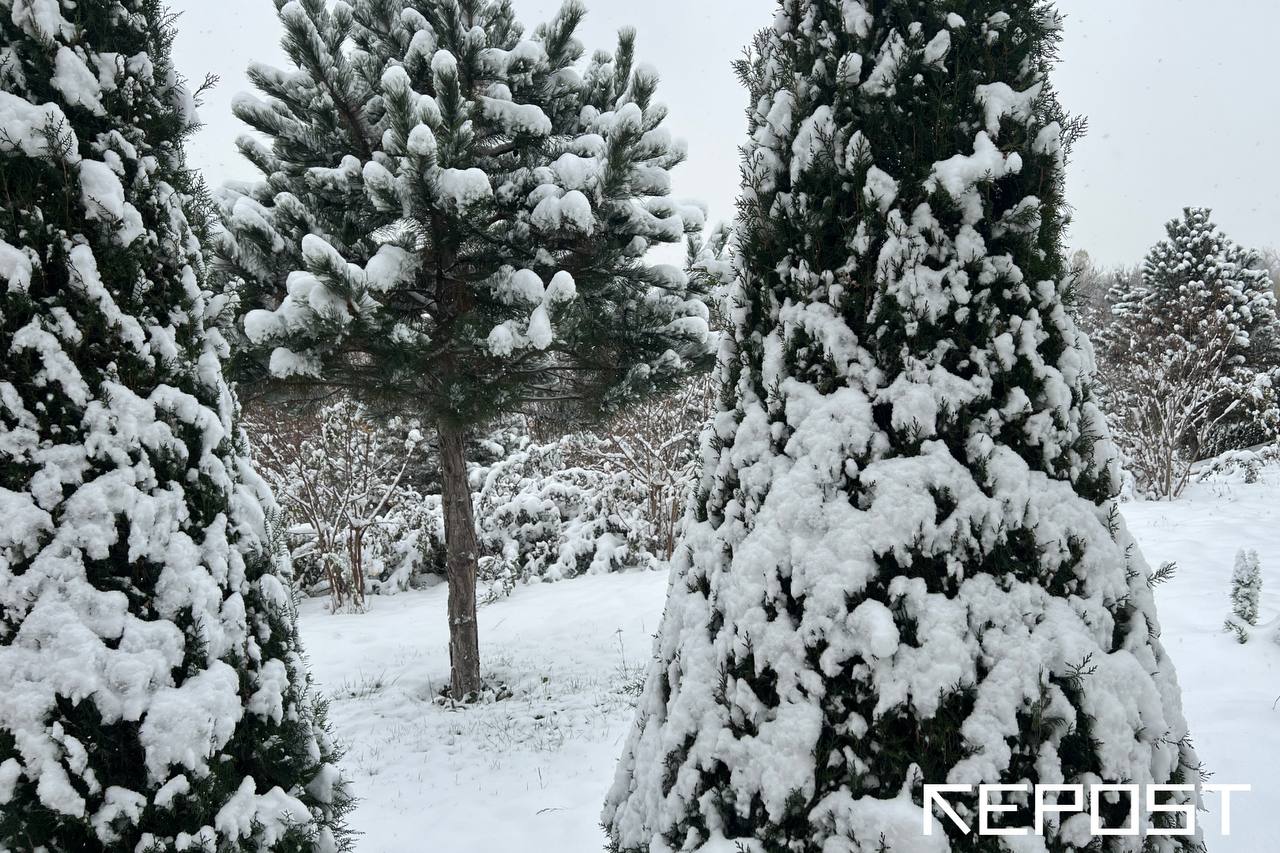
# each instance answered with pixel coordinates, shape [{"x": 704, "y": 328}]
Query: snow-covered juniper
[
  {"x": 904, "y": 564},
  {"x": 453, "y": 223},
  {"x": 152, "y": 691},
  {"x": 1246, "y": 586}
]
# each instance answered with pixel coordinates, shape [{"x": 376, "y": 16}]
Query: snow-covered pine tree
[
  {"x": 905, "y": 564},
  {"x": 1246, "y": 586},
  {"x": 152, "y": 691},
  {"x": 1191, "y": 355},
  {"x": 709, "y": 265},
  {"x": 1197, "y": 279},
  {"x": 1198, "y": 256},
  {"x": 453, "y": 222}
]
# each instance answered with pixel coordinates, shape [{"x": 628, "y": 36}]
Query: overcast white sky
[{"x": 1180, "y": 95}]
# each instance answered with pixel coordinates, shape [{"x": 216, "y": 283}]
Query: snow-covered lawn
[
  {"x": 526, "y": 773},
  {"x": 529, "y": 772},
  {"x": 1230, "y": 692}
]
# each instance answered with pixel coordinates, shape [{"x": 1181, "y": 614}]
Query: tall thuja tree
[
  {"x": 904, "y": 564},
  {"x": 1201, "y": 292},
  {"x": 152, "y": 691},
  {"x": 453, "y": 223}
]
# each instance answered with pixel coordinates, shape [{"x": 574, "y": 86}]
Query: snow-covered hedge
[
  {"x": 539, "y": 518},
  {"x": 409, "y": 550},
  {"x": 1239, "y": 466}
]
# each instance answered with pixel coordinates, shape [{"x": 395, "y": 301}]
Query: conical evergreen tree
[
  {"x": 1246, "y": 586},
  {"x": 453, "y": 222},
  {"x": 1194, "y": 282},
  {"x": 904, "y": 564},
  {"x": 152, "y": 691},
  {"x": 1198, "y": 258}
]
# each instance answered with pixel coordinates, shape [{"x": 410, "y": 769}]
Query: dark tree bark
[{"x": 462, "y": 553}]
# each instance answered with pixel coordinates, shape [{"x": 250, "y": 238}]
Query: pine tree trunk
[{"x": 462, "y": 552}]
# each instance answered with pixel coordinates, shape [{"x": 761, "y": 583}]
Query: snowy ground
[
  {"x": 1230, "y": 692},
  {"x": 529, "y": 773}
]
